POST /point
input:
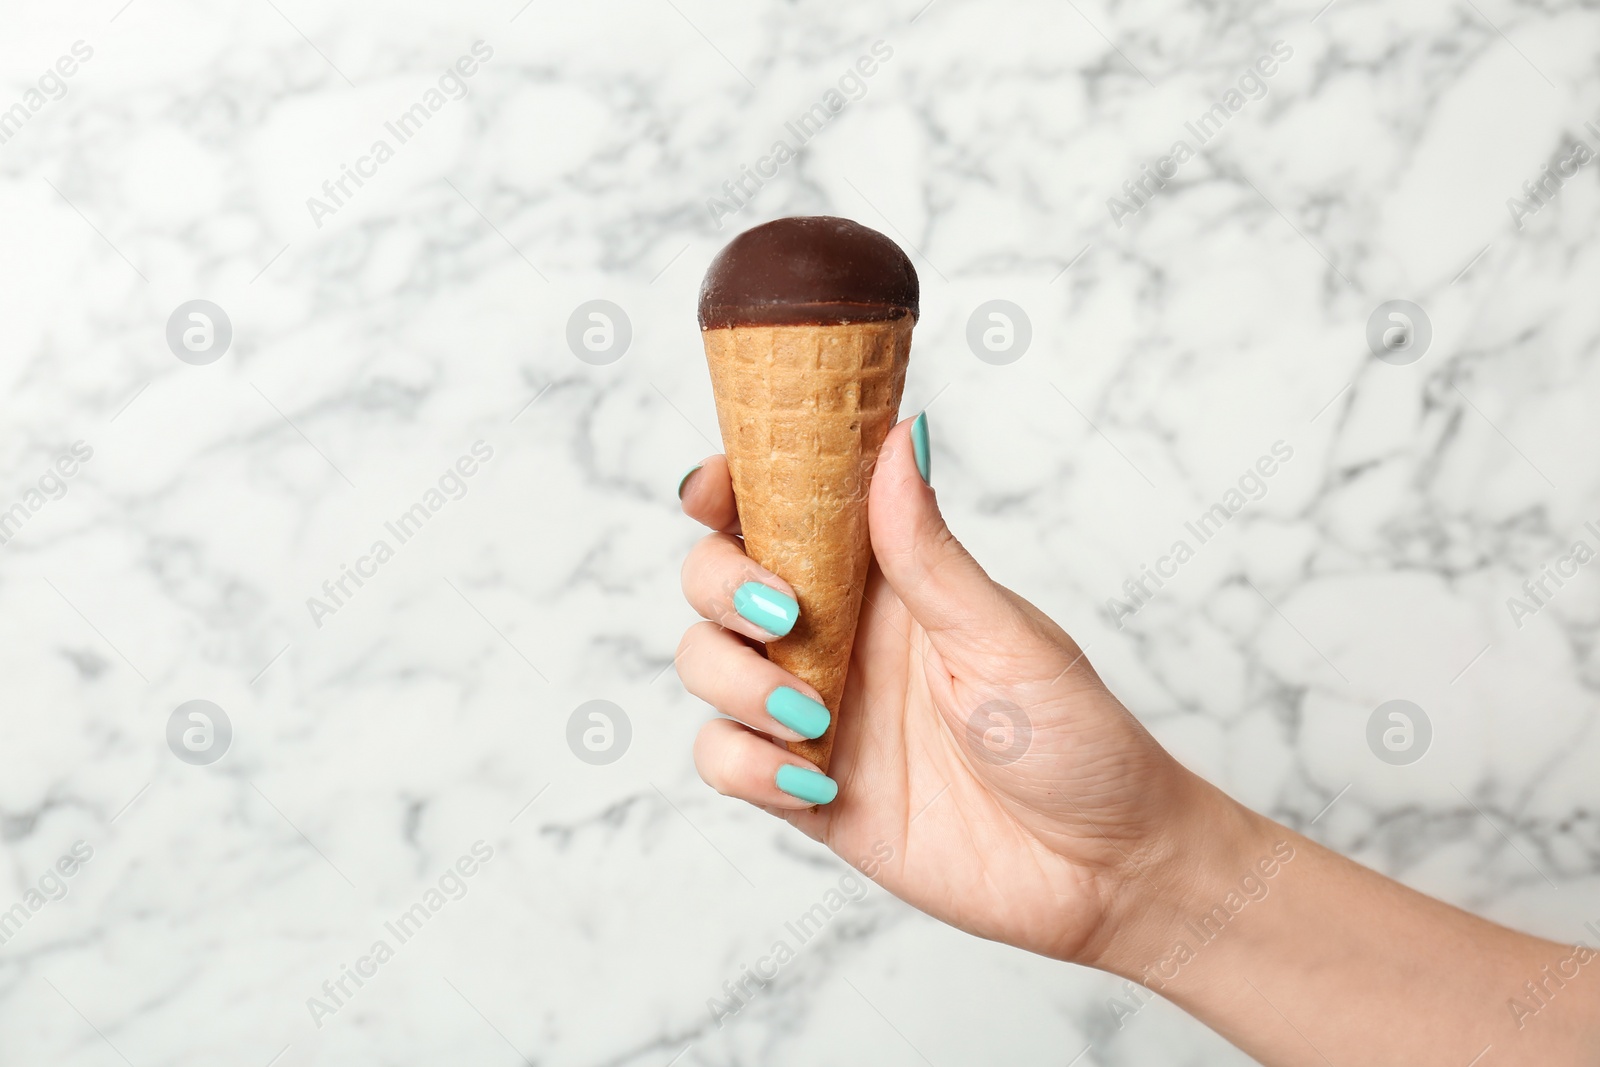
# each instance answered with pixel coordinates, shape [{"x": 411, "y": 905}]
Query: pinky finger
[{"x": 738, "y": 762}]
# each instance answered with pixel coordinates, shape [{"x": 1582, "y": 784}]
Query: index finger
[{"x": 707, "y": 495}]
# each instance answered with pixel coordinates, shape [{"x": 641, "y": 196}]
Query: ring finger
[{"x": 738, "y": 681}]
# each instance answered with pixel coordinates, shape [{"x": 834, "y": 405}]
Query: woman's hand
[{"x": 985, "y": 774}]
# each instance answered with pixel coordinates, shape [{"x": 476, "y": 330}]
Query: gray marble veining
[{"x": 1189, "y": 311}]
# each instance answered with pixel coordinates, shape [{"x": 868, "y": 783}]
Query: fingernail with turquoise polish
[
  {"x": 919, "y": 447},
  {"x": 766, "y": 607},
  {"x": 685, "y": 479},
  {"x": 798, "y": 712},
  {"x": 807, "y": 785}
]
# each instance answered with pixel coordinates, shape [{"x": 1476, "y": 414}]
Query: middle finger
[{"x": 738, "y": 681}]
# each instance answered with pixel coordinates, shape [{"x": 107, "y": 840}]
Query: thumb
[{"x": 944, "y": 588}]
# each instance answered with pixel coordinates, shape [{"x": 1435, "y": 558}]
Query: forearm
[{"x": 1300, "y": 956}]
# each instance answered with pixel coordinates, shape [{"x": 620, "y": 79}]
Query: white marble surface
[{"x": 429, "y": 310}]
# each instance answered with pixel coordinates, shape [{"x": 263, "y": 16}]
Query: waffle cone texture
[{"x": 803, "y": 411}]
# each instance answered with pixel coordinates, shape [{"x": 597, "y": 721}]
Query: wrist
[{"x": 1208, "y": 861}]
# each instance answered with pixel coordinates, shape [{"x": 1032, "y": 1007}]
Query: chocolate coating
[{"x": 808, "y": 271}]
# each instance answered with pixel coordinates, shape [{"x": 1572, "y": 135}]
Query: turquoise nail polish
[
  {"x": 685, "y": 479},
  {"x": 766, "y": 607},
  {"x": 798, "y": 712},
  {"x": 919, "y": 447},
  {"x": 808, "y": 785}
]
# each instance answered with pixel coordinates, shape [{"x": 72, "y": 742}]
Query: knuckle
[
  {"x": 690, "y": 638},
  {"x": 713, "y": 758},
  {"x": 686, "y": 573}
]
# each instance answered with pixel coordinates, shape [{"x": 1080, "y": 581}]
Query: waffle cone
[{"x": 804, "y": 410}]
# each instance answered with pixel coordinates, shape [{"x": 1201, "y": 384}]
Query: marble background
[{"x": 375, "y": 344}]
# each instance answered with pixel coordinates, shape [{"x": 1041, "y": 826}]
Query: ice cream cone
[{"x": 804, "y": 410}]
